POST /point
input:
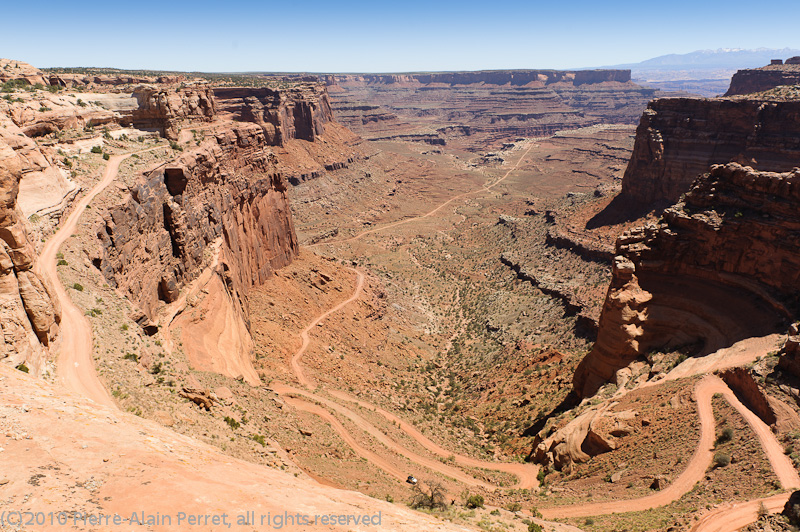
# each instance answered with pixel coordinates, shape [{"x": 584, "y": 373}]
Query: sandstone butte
[{"x": 720, "y": 261}]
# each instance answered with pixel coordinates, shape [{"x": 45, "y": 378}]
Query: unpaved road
[
  {"x": 434, "y": 211},
  {"x": 295, "y": 363},
  {"x": 526, "y": 473},
  {"x": 701, "y": 460},
  {"x": 75, "y": 361}
]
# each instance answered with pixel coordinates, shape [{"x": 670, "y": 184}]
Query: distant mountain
[
  {"x": 721, "y": 59},
  {"x": 704, "y": 72}
]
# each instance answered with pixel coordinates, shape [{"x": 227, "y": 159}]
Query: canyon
[
  {"x": 492, "y": 281},
  {"x": 482, "y": 110}
]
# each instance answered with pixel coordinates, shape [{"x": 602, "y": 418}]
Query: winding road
[
  {"x": 76, "y": 372},
  {"x": 484, "y": 188},
  {"x": 76, "y": 369}
]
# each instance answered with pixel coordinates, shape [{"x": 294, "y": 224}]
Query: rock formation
[
  {"x": 29, "y": 316},
  {"x": 163, "y": 109},
  {"x": 765, "y": 78},
  {"x": 222, "y": 206},
  {"x": 596, "y": 431},
  {"x": 789, "y": 360},
  {"x": 296, "y": 113},
  {"x": 155, "y": 242},
  {"x": 11, "y": 70},
  {"x": 722, "y": 265},
  {"x": 477, "y": 110},
  {"x": 231, "y": 188},
  {"x": 679, "y": 138}
]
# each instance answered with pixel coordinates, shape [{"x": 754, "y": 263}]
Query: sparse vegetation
[
  {"x": 430, "y": 497},
  {"x": 721, "y": 460}
]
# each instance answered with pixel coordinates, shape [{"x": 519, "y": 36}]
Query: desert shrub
[
  {"x": 131, "y": 356},
  {"x": 514, "y": 507},
  {"x": 97, "y": 149},
  {"x": 232, "y": 423},
  {"x": 78, "y": 287},
  {"x": 258, "y": 438},
  {"x": 725, "y": 436},
  {"x": 533, "y": 527},
  {"x": 721, "y": 460},
  {"x": 62, "y": 262},
  {"x": 106, "y": 156},
  {"x": 23, "y": 368},
  {"x": 432, "y": 497},
  {"x": 475, "y": 501}
]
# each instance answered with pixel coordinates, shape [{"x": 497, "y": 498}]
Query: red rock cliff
[
  {"x": 762, "y": 79},
  {"x": 164, "y": 109},
  {"x": 229, "y": 188},
  {"x": 722, "y": 265},
  {"x": 679, "y": 138},
  {"x": 29, "y": 316},
  {"x": 300, "y": 112}
]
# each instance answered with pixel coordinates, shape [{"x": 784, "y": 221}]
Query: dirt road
[
  {"x": 295, "y": 363},
  {"x": 75, "y": 361},
  {"x": 434, "y": 211},
  {"x": 526, "y": 473},
  {"x": 701, "y": 460}
]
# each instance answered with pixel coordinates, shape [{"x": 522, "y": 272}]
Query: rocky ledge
[{"x": 720, "y": 266}]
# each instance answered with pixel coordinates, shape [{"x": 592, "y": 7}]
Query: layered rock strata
[
  {"x": 477, "y": 110},
  {"x": 229, "y": 187},
  {"x": 164, "y": 109},
  {"x": 29, "y": 315},
  {"x": 765, "y": 78},
  {"x": 679, "y": 138},
  {"x": 297, "y": 113},
  {"x": 722, "y": 265}
]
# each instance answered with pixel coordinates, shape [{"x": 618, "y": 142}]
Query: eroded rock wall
[
  {"x": 29, "y": 315},
  {"x": 722, "y": 265},
  {"x": 300, "y": 112},
  {"x": 762, "y": 79},
  {"x": 680, "y": 138},
  {"x": 164, "y": 109},
  {"x": 229, "y": 187}
]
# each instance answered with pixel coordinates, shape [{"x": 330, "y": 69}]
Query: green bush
[
  {"x": 106, "y": 156},
  {"x": 475, "y": 501},
  {"x": 131, "y": 356},
  {"x": 97, "y": 149},
  {"x": 721, "y": 460},
  {"x": 78, "y": 287},
  {"x": 232, "y": 423},
  {"x": 725, "y": 436},
  {"x": 62, "y": 262},
  {"x": 23, "y": 368},
  {"x": 514, "y": 507},
  {"x": 533, "y": 527},
  {"x": 258, "y": 438}
]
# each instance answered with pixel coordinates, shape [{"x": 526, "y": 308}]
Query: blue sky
[{"x": 362, "y": 36}]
